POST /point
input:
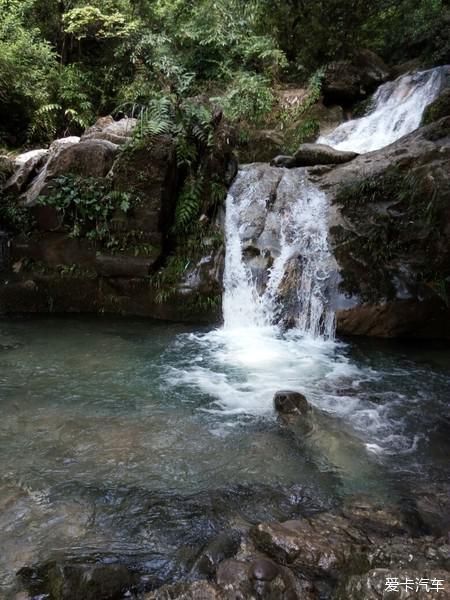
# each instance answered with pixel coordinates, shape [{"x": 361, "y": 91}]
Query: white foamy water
[
  {"x": 240, "y": 366},
  {"x": 396, "y": 110},
  {"x": 303, "y": 233}
]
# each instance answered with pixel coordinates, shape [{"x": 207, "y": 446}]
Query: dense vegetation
[{"x": 63, "y": 62}]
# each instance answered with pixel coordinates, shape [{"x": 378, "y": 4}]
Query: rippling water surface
[{"x": 143, "y": 439}]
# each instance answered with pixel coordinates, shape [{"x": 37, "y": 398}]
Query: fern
[{"x": 188, "y": 204}]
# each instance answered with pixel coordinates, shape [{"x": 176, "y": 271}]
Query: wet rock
[
  {"x": 198, "y": 590},
  {"x": 346, "y": 82},
  {"x": 220, "y": 548},
  {"x": 289, "y": 402},
  {"x": 263, "y": 570},
  {"x": 309, "y": 155},
  {"x": 285, "y": 161},
  {"x": 378, "y": 519},
  {"x": 320, "y": 154},
  {"x": 72, "y": 581},
  {"x": 323, "y": 545},
  {"x": 438, "y": 109},
  {"x": 433, "y": 508}
]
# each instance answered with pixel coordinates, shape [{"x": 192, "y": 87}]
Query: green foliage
[
  {"x": 249, "y": 98},
  {"x": 15, "y": 218},
  {"x": 62, "y": 62},
  {"x": 87, "y": 206},
  {"x": 188, "y": 204}
]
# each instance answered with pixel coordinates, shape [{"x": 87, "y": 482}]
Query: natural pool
[{"x": 140, "y": 441}]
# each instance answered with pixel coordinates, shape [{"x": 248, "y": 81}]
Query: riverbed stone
[{"x": 323, "y": 545}]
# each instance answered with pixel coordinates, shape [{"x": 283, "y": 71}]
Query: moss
[{"x": 438, "y": 109}]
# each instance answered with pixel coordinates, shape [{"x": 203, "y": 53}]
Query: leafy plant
[{"x": 87, "y": 206}]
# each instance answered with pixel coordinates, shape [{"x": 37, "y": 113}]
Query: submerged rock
[
  {"x": 74, "y": 580},
  {"x": 288, "y": 402}
]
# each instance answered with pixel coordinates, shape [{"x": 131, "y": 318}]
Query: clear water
[{"x": 116, "y": 440}]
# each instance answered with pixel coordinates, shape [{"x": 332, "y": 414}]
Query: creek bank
[{"x": 331, "y": 555}]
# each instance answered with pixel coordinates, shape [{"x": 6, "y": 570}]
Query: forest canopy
[{"x": 64, "y": 62}]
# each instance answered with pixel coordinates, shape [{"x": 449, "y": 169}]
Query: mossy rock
[{"x": 438, "y": 109}]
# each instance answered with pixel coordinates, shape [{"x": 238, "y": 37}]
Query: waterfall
[
  {"x": 279, "y": 268},
  {"x": 301, "y": 230},
  {"x": 395, "y": 110}
]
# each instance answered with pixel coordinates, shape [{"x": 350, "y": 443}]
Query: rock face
[
  {"x": 391, "y": 236},
  {"x": 130, "y": 263},
  {"x": 309, "y": 155},
  {"x": 346, "y": 82}
]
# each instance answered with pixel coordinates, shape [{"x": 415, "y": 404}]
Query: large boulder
[
  {"x": 390, "y": 233},
  {"x": 346, "y": 82},
  {"x": 26, "y": 165},
  {"x": 106, "y": 128}
]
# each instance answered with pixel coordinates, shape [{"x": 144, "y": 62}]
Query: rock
[
  {"x": 89, "y": 158},
  {"x": 198, "y": 590},
  {"x": 26, "y": 166},
  {"x": 391, "y": 236},
  {"x": 438, "y": 109},
  {"x": 6, "y": 168},
  {"x": 75, "y": 580},
  {"x": 120, "y": 265},
  {"x": 309, "y": 155},
  {"x": 150, "y": 174},
  {"x": 288, "y": 402},
  {"x": 324, "y": 545},
  {"x": 55, "y": 249},
  {"x": 346, "y": 82},
  {"x": 283, "y": 160},
  {"x": 378, "y": 519},
  {"x": 373, "y": 585},
  {"x": 106, "y": 128},
  {"x": 38, "y": 183},
  {"x": 224, "y": 546},
  {"x": 261, "y": 146},
  {"x": 263, "y": 569}
]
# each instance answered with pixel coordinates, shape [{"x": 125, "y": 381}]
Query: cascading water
[
  {"x": 396, "y": 110},
  {"x": 303, "y": 237},
  {"x": 279, "y": 284}
]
